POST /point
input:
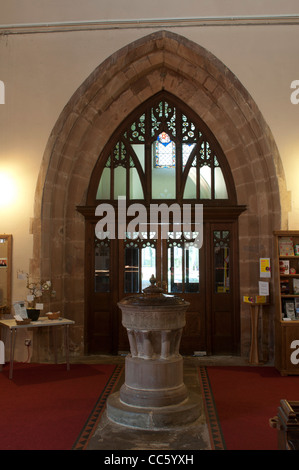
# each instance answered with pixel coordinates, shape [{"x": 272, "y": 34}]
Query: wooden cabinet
[{"x": 286, "y": 276}]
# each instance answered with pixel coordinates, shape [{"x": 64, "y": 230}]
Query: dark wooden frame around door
[{"x": 213, "y": 323}]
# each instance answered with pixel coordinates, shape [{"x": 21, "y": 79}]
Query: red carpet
[
  {"x": 44, "y": 407},
  {"x": 244, "y": 399}
]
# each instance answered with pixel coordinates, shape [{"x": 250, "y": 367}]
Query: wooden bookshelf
[{"x": 286, "y": 271}]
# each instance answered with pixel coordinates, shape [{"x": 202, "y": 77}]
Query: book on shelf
[
  {"x": 296, "y": 286},
  {"x": 289, "y": 309},
  {"x": 284, "y": 266},
  {"x": 286, "y": 247},
  {"x": 285, "y": 286}
]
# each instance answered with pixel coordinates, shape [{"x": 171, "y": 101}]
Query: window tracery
[{"x": 163, "y": 154}]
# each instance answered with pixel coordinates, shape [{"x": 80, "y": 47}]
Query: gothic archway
[
  {"x": 163, "y": 157},
  {"x": 160, "y": 61}
]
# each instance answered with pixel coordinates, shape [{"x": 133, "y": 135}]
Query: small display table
[{"x": 12, "y": 327}]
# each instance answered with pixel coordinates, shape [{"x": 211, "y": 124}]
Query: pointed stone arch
[{"x": 159, "y": 61}]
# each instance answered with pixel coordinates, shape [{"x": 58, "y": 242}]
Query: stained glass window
[
  {"x": 163, "y": 154},
  {"x": 164, "y": 151}
]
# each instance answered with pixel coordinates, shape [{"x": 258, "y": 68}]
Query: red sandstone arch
[{"x": 162, "y": 60}]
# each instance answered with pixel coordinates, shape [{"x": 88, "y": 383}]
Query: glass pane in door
[
  {"x": 191, "y": 271},
  {"x": 148, "y": 266},
  {"x": 175, "y": 268},
  {"x": 131, "y": 280},
  {"x": 221, "y": 261}
]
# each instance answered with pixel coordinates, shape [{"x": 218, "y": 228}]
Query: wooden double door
[{"x": 206, "y": 276}]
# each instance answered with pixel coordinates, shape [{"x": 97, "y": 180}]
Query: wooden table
[{"x": 12, "y": 327}]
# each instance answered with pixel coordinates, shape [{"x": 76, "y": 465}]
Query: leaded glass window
[{"x": 163, "y": 154}]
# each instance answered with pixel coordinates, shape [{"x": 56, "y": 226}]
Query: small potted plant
[{"x": 37, "y": 290}]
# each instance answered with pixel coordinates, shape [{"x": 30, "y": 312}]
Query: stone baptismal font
[{"x": 153, "y": 395}]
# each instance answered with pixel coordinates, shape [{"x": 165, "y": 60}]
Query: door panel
[
  {"x": 101, "y": 321},
  {"x": 224, "y": 318}
]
